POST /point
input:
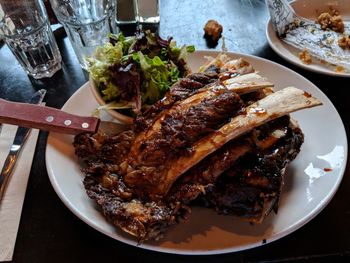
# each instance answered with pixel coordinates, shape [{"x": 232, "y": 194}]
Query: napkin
[{"x": 11, "y": 207}]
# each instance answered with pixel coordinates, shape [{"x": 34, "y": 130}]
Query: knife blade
[{"x": 21, "y": 136}]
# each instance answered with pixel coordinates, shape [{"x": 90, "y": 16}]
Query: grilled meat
[
  {"x": 142, "y": 218},
  {"x": 182, "y": 89},
  {"x": 222, "y": 142},
  {"x": 273, "y": 106},
  {"x": 145, "y": 220},
  {"x": 198, "y": 82},
  {"x": 251, "y": 187},
  {"x": 154, "y": 151}
]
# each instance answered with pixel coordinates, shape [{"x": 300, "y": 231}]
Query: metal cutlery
[{"x": 16, "y": 147}]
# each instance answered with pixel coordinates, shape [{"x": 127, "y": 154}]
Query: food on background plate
[
  {"x": 132, "y": 73},
  {"x": 213, "y": 30},
  {"x": 331, "y": 20},
  {"x": 319, "y": 38},
  {"x": 344, "y": 41},
  {"x": 220, "y": 138},
  {"x": 305, "y": 57}
]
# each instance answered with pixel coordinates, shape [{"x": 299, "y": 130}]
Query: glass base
[{"x": 45, "y": 72}]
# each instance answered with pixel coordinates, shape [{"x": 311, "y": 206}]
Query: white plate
[
  {"x": 308, "y": 9},
  {"x": 308, "y": 188}
]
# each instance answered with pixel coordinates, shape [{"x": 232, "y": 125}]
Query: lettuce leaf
[
  {"x": 160, "y": 64},
  {"x": 103, "y": 57},
  {"x": 158, "y": 77}
]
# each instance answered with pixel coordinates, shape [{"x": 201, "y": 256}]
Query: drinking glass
[
  {"x": 147, "y": 11},
  {"x": 87, "y": 23},
  {"x": 141, "y": 12},
  {"x": 126, "y": 12},
  {"x": 26, "y": 30}
]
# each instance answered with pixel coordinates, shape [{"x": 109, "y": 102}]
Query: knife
[
  {"x": 54, "y": 120},
  {"x": 45, "y": 118},
  {"x": 21, "y": 136}
]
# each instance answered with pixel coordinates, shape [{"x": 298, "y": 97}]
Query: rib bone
[
  {"x": 241, "y": 85},
  {"x": 247, "y": 83},
  {"x": 269, "y": 108}
]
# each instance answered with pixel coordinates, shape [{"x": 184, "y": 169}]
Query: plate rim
[
  {"x": 297, "y": 225},
  {"x": 271, "y": 34}
]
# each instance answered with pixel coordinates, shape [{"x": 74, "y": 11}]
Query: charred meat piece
[
  {"x": 197, "y": 82},
  {"x": 182, "y": 89},
  {"x": 103, "y": 148},
  {"x": 172, "y": 135},
  {"x": 201, "y": 176},
  {"x": 142, "y": 219},
  {"x": 139, "y": 217},
  {"x": 206, "y": 172},
  {"x": 251, "y": 188}
]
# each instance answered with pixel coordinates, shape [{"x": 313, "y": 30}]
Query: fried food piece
[
  {"x": 305, "y": 57},
  {"x": 344, "y": 41},
  {"x": 337, "y": 24},
  {"x": 331, "y": 21},
  {"x": 213, "y": 29}
]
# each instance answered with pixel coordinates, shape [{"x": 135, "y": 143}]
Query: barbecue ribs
[{"x": 220, "y": 138}]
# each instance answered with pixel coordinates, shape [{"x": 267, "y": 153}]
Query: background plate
[
  {"x": 308, "y": 9},
  {"x": 308, "y": 188}
]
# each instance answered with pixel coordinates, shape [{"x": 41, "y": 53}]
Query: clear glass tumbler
[
  {"x": 87, "y": 23},
  {"x": 26, "y": 30},
  {"x": 126, "y": 12},
  {"x": 147, "y": 11}
]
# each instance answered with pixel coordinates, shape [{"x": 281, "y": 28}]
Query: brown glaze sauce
[
  {"x": 307, "y": 95},
  {"x": 227, "y": 75}
]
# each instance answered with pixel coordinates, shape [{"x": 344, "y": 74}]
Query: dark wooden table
[{"x": 49, "y": 232}]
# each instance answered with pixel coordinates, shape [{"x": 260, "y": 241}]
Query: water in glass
[
  {"x": 87, "y": 24},
  {"x": 27, "y": 32}
]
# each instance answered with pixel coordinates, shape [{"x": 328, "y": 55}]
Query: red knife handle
[{"x": 45, "y": 118}]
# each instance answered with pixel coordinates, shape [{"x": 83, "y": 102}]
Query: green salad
[{"x": 135, "y": 72}]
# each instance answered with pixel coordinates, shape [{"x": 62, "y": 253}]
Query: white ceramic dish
[
  {"x": 308, "y": 9},
  {"x": 115, "y": 114},
  {"x": 308, "y": 188}
]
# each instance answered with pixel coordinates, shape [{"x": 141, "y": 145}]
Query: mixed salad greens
[{"x": 135, "y": 72}]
